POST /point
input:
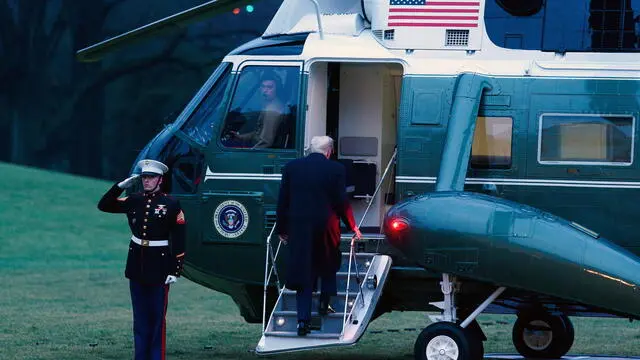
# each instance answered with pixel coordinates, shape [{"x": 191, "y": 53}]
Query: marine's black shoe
[{"x": 303, "y": 328}]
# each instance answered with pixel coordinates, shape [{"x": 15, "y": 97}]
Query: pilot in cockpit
[{"x": 270, "y": 118}]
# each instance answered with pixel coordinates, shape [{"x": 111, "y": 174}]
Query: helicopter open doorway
[{"x": 357, "y": 105}]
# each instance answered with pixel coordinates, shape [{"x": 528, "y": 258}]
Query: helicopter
[{"x": 491, "y": 159}]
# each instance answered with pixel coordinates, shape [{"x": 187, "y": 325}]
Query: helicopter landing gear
[
  {"x": 542, "y": 335},
  {"x": 448, "y": 339}
]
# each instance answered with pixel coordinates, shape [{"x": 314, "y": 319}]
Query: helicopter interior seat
[
  {"x": 350, "y": 186},
  {"x": 361, "y": 172}
]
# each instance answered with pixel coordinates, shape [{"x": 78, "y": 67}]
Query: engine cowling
[{"x": 509, "y": 244}]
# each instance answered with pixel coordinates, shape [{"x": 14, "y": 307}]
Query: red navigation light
[
  {"x": 236, "y": 11},
  {"x": 398, "y": 225}
]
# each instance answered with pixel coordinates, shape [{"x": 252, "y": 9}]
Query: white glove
[
  {"x": 170, "y": 279},
  {"x": 127, "y": 182}
]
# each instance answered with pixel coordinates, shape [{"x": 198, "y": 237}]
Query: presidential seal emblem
[{"x": 231, "y": 219}]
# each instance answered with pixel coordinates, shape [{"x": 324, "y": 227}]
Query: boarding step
[
  {"x": 363, "y": 261},
  {"x": 365, "y": 236},
  {"x": 329, "y": 325},
  {"x": 294, "y": 335},
  {"x": 341, "y": 280},
  {"x": 280, "y": 334},
  {"x": 288, "y": 301}
]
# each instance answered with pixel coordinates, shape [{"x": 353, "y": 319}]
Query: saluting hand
[{"x": 127, "y": 182}]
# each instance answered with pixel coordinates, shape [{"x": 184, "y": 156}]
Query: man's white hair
[{"x": 321, "y": 144}]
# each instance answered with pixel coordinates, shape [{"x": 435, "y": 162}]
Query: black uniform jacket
[
  {"x": 311, "y": 202},
  {"x": 154, "y": 216}
]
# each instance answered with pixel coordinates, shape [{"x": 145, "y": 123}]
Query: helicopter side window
[
  {"x": 263, "y": 110},
  {"x": 521, "y": 7},
  {"x": 199, "y": 126},
  {"x": 492, "y": 143},
  {"x": 565, "y": 26},
  {"x": 586, "y": 139}
]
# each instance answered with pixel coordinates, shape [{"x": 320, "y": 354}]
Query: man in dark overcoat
[{"x": 311, "y": 203}]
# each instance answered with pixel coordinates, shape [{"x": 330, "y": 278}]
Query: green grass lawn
[{"x": 64, "y": 295}]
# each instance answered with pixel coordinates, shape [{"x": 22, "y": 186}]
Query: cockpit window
[
  {"x": 185, "y": 166},
  {"x": 263, "y": 110},
  {"x": 199, "y": 126}
]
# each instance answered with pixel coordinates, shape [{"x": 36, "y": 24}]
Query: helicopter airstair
[
  {"x": 360, "y": 281},
  {"x": 360, "y": 284}
]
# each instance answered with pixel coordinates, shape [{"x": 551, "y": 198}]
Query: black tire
[
  {"x": 448, "y": 337},
  {"x": 473, "y": 331},
  {"x": 477, "y": 338},
  {"x": 541, "y": 335},
  {"x": 570, "y": 335}
]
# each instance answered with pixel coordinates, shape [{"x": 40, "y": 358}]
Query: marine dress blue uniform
[{"x": 156, "y": 250}]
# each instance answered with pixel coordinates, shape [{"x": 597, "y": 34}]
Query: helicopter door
[{"x": 258, "y": 136}]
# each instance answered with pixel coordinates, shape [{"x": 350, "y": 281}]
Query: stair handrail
[
  {"x": 352, "y": 247},
  {"x": 375, "y": 193},
  {"x": 268, "y": 271},
  {"x": 346, "y": 297}
]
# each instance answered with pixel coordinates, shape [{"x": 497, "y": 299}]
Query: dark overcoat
[{"x": 311, "y": 203}]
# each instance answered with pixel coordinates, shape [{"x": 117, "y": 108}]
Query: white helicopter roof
[
  {"x": 393, "y": 22},
  {"x": 338, "y": 17},
  {"x": 428, "y": 44}
]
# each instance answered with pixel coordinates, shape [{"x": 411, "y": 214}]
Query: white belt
[{"x": 149, "y": 242}]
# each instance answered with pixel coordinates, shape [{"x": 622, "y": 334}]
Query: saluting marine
[{"x": 156, "y": 253}]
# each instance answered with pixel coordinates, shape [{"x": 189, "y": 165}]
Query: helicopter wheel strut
[
  {"x": 539, "y": 334},
  {"x": 446, "y": 339}
]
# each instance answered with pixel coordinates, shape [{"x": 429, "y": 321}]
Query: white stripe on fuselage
[
  {"x": 528, "y": 182},
  {"x": 210, "y": 175},
  {"x": 241, "y": 176},
  {"x": 472, "y": 181}
]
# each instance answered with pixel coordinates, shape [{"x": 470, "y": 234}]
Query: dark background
[{"x": 93, "y": 118}]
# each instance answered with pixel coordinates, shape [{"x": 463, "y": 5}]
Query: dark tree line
[{"x": 93, "y": 118}]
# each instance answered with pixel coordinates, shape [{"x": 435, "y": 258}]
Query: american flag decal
[{"x": 434, "y": 13}]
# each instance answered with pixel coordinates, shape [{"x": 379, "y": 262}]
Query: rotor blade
[{"x": 179, "y": 20}]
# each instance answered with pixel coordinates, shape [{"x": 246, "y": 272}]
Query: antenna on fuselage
[{"x": 319, "y": 18}]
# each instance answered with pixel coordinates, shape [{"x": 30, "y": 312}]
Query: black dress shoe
[{"x": 303, "y": 328}]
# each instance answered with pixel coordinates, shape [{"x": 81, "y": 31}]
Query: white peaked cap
[{"x": 152, "y": 167}]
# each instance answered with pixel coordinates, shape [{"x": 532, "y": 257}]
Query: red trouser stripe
[{"x": 164, "y": 322}]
